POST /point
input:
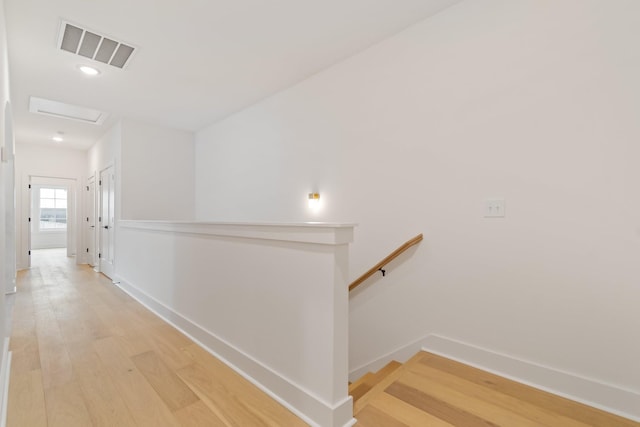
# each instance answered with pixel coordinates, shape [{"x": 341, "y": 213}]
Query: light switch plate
[{"x": 494, "y": 208}]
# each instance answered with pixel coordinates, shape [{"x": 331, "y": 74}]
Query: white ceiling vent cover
[
  {"x": 91, "y": 45},
  {"x": 66, "y": 111}
]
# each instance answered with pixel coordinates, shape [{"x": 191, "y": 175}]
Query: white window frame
[{"x": 39, "y": 209}]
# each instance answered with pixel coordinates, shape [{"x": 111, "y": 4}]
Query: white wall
[
  {"x": 105, "y": 151},
  {"x": 216, "y": 283},
  {"x": 103, "y": 154},
  {"x": 534, "y": 101},
  {"x": 42, "y": 162},
  {"x": 5, "y": 144},
  {"x": 157, "y": 172},
  {"x": 154, "y": 171},
  {"x": 9, "y": 190}
]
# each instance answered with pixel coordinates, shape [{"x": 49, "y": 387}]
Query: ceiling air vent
[{"x": 92, "y": 45}]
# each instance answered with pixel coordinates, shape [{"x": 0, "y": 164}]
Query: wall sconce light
[{"x": 314, "y": 200}]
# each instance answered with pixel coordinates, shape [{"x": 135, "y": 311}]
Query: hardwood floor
[
  {"x": 86, "y": 354},
  {"x": 430, "y": 390}
]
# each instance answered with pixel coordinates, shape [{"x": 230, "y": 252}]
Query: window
[{"x": 53, "y": 209}]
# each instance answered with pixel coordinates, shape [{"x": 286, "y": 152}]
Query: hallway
[{"x": 86, "y": 354}]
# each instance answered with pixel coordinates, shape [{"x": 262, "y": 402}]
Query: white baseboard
[
  {"x": 308, "y": 407},
  {"x": 607, "y": 397},
  {"x": 401, "y": 355},
  {"x": 12, "y": 288},
  {"x": 5, "y": 374}
]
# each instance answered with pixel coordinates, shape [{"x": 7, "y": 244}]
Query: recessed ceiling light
[
  {"x": 58, "y": 138},
  {"x": 89, "y": 71}
]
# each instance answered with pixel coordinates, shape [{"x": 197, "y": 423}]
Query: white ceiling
[{"x": 197, "y": 60}]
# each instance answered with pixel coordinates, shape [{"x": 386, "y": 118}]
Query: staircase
[
  {"x": 430, "y": 390},
  {"x": 360, "y": 388}
]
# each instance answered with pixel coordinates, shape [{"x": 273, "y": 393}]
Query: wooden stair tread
[
  {"x": 383, "y": 378},
  {"x": 360, "y": 387},
  {"x": 366, "y": 378},
  {"x": 435, "y": 391},
  {"x": 386, "y": 370}
]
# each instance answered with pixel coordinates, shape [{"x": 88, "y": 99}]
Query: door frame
[
  {"x": 73, "y": 232},
  {"x": 110, "y": 271},
  {"x": 90, "y": 227}
]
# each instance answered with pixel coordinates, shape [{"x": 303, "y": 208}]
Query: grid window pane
[
  {"x": 47, "y": 193},
  {"x": 47, "y": 203},
  {"x": 53, "y": 209}
]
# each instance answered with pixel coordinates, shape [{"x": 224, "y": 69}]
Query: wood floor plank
[
  {"x": 173, "y": 391},
  {"x": 113, "y": 356},
  {"x": 146, "y": 407},
  {"x": 535, "y": 413},
  {"x": 373, "y": 417},
  {"x": 198, "y": 415},
  {"x": 234, "y": 400},
  {"x": 94, "y": 326},
  {"x": 74, "y": 330},
  {"x": 134, "y": 342},
  {"x": 66, "y": 407},
  {"x": 406, "y": 413},
  {"x": 142, "y": 315},
  {"x": 26, "y": 405},
  {"x": 116, "y": 320},
  {"x": 55, "y": 365},
  {"x": 23, "y": 340},
  {"x": 170, "y": 349},
  {"x": 117, "y": 325},
  {"x": 47, "y": 329},
  {"x": 218, "y": 399},
  {"x": 450, "y": 412},
  {"x": 26, "y": 359},
  {"x": 565, "y": 407},
  {"x": 85, "y": 361},
  {"x": 250, "y": 397},
  {"x": 104, "y": 403}
]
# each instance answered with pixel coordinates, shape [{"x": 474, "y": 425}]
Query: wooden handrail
[{"x": 385, "y": 261}]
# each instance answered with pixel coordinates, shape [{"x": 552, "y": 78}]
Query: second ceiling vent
[{"x": 94, "y": 46}]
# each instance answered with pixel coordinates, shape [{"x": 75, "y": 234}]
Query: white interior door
[
  {"x": 107, "y": 222},
  {"x": 90, "y": 223}
]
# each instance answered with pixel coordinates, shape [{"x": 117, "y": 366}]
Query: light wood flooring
[
  {"x": 430, "y": 390},
  {"x": 85, "y": 354}
]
